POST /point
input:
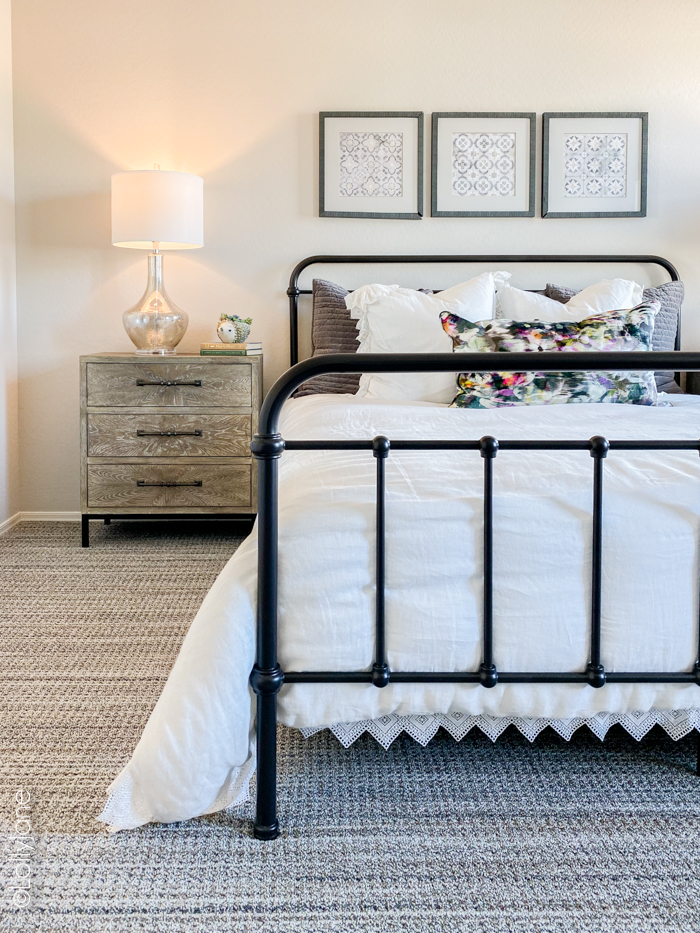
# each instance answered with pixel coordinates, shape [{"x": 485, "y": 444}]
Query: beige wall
[
  {"x": 231, "y": 90},
  {"x": 9, "y": 479}
]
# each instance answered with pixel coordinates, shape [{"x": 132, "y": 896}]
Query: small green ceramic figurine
[{"x": 233, "y": 329}]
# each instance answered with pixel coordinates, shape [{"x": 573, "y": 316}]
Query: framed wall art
[
  {"x": 371, "y": 165},
  {"x": 594, "y": 164},
  {"x": 483, "y": 165}
]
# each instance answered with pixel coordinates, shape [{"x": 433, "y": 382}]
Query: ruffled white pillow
[
  {"x": 609, "y": 295},
  {"x": 402, "y": 320}
]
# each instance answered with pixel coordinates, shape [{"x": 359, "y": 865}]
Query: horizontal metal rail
[
  {"x": 502, "y": 445},
  {"x": 548, "y": 361},
  {"x": 475, "y": 677}
]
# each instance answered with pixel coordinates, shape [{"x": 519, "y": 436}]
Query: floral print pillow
[{"x": 610, "y": 330}]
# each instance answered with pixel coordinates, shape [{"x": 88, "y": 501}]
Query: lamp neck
[{"x": 155, "y": 272}]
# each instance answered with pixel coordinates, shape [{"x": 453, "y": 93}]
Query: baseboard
[
  {"x": 37, "y": 517},
  {"x": 47, "y": 517},
  {"x": 9, "y": 522}
]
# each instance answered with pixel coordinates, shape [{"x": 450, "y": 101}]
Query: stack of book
[{"x": 231, "y": 349}]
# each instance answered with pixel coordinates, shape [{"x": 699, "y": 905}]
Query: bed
[{"x": 419, "y": 562}]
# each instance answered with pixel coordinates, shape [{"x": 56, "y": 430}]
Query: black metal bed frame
[
  {"x": 294, "y": 291},
  {"x": 267, "y": 677}
]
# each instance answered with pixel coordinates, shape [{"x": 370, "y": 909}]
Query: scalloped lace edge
[{"x": 422, "y": 728}]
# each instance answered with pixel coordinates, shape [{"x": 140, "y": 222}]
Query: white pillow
[
  {"x": 609, "y": 295},
  {"x": 401, "y": 320}
]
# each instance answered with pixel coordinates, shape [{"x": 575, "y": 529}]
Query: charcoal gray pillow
[
  {"x": 670, "y": 297},
  {"x": 332, "y": 331}
]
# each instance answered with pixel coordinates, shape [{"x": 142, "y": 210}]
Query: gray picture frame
[
  {"x": 624, "y": 115},
  {"x": 435, "y": 119},
  {"x": 382, "y": 215}
]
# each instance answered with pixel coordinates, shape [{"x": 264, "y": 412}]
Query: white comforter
[{"x": 196, "y": 752}]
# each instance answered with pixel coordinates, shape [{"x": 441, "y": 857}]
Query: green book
[{"x": 222, "y": 353}]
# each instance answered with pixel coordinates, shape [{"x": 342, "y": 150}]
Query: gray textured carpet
[{"x": 556, "y": 836}]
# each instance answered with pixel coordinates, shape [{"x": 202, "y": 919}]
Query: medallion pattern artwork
[
  {"x": 595, "y": 165},
  {"x": 371, "y": 165},
  {"x": 483, "y": 164}
]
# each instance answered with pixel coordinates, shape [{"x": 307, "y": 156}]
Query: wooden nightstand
[{"x": 167, "y": 437}]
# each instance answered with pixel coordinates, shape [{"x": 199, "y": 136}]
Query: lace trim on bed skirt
[{"x": 677, "y": 723}]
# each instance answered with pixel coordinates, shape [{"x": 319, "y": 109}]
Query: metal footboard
[{"x": 267, "y": 677}]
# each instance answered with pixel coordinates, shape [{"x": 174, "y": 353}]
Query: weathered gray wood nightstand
[{"x": 167, "y": 437}]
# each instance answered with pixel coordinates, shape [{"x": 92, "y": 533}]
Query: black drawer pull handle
[
  {"x": 196, "y": 433},
  {"x": 142, "y": 482},
  {"x": 142, "y": 382}
]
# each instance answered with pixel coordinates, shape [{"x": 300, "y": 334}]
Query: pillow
[
  {"x": 401, "y": 320},
  {"x": 332, "y": 331},
  {"x": 608, "y": 295},
  {"x": 670, "y": 297},
  {"x": 611, "y": 330},
  {"x": 513, "y": 304}
]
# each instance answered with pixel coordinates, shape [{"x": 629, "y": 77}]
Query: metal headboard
[{"x": 294, "y": 291}]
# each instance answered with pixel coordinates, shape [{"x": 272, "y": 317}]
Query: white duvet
[{"x": 196, "y": 752}]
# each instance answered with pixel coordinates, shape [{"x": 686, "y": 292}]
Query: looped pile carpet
[{"x": 469, "y": 836}]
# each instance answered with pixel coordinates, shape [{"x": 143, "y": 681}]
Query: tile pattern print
[
  {"x": 483, "y": 164},
  {"x": 371, "y": 165},
  {"x": 595, "y": 165}
]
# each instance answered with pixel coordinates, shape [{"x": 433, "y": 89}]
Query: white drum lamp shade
[{"x": 157, "y": 209}]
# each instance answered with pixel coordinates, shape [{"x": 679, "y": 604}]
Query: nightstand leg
[
  {"x": 85, "y": 529},
  {"x": 108, "y": 521}
]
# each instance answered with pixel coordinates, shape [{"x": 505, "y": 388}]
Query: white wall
[
  {"x": 231, "y": 90},
  {"x": 9, "y": 480}
]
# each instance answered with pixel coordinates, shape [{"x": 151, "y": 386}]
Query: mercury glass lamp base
[
  {"x": 162, "y": 351},
  {"x": 155, "y": 324}
]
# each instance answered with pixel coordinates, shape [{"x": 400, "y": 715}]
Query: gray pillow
[
  {"x": 332, "y": 331},
  {"x": 670, "y": 297}
]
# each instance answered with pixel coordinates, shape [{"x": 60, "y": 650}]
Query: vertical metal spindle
[
  {"x": 380, "y": 668},
  {"x": 696, "y": 671},
  {"x": 267, "y": 678},
  {"x": 595, "y": 670},
  {"x": 487, "y": 671}
]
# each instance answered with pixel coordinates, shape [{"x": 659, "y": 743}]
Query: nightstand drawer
[
  {"x": 168, "y": 486},
  {"x": 171, "y": 435},
  {"x": 177, "y": 383}
]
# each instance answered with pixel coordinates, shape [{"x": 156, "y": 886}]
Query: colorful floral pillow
[{"x": 609, "y": 330}]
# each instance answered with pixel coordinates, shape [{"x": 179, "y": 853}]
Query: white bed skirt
[{"x": 127, "y": 807}]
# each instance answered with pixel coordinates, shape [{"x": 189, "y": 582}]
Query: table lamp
[{"x": 156, "y": 211}]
